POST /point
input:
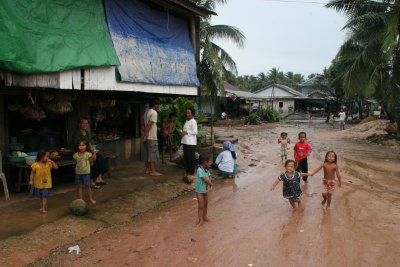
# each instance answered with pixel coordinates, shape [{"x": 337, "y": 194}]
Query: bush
[
  {"x": 270, "y": 115},
  {"x": 253, "y": 118}
]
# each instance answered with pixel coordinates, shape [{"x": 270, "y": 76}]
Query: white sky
[{"x": 298, "y": 37}]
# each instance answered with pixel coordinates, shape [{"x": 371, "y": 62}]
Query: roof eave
[{"x": 192, "y": 7}]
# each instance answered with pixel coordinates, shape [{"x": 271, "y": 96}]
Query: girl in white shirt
[{"x": 189, "y": 142}]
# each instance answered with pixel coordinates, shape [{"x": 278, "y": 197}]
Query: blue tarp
[{"x": 153, "y": 46}]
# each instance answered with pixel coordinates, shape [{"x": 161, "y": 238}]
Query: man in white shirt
[
  {"x": 150, "y": 147},
  {"x": 342, "y": 119}
]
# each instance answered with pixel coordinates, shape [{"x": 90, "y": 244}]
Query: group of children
[
  {"x": 294, "y": 169},
  {"x": 40, "y": 177}
]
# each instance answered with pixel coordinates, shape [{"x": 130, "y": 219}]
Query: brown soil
[{"x": 252, "y": 225}]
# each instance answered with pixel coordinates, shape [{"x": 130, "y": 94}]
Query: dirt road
[{"x": 252, "y": 225}]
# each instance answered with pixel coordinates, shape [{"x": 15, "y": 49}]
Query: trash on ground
[{"x": 74, "y": 248}]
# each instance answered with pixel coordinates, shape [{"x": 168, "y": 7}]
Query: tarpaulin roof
[
  {"x": 153, "y": 45},
  {"x": 54, "y": 35}
]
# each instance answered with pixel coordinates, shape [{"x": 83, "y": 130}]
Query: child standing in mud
[
  {"x": 302, "y": 150},
  {"x": 203, "y": 186},
  {"x": 83, "y": 160},
  {"x": 40, "y": 178},
  {"x": 291, "y": 183},
  {"x": 284, "y": 141},
  {"x": 331, "y": 169}
]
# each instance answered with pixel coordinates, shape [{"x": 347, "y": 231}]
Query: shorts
[
  {"x": 284, "y": 153},
  {"x": 150, "y": 151},
  {"x": 167, "y": 143},
  {"x": 328, "y": 186},
  {"x": 341, "y": 123},
  {"x": 42, "y": 192},
  {"x": 82, "y": 179}
]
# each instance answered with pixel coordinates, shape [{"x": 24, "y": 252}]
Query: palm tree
[
  {"x": 371, "y": 55},
  {"x": 214, "y": 60}
]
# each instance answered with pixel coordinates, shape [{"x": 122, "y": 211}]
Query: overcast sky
[{"x": 298, "y": 37}]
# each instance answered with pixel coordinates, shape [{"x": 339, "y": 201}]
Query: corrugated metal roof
[
  {"x": 233, "y": 90},
  {"x": 283, "y": 87}
]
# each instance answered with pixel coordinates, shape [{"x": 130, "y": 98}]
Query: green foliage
[
  {"x": 179, "y": 106},
  {"x": 253, "y": 83},
  {"x": 254, "y": 118},
  {"x": 270, "y": 115},
  {"x": 370, "y": 57}
]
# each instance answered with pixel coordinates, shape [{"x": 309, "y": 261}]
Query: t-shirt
[
  {"x": 82, "y": 162},
  {"x": 42, "y": 177},
  {"x": 225, "y": 161},
  {"x": 151, "y": 115},
  {"x": 301, "y": 150},
  {"x": 201, "y": 186},
  {"x": 342, "y": 116},
  {"x": 191, "y": 128}
]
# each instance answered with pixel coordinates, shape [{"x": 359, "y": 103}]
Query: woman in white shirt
[
  {"x": 189, "y": 142},
  {"x": 226, "y": 161}
]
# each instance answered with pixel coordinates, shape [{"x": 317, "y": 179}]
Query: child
[
  {"x": 330, "y": 169},
  {"x": 83, "y": 160},
  {"x": 203, "y": 185},
  {"x": 291, "y": 183},
  {"x": 168, "y": 128},
  {"x": 301, "y": 151},
  {"x": 284, "y": 141},
  {"x": 332, "y": 120},
  {"x": 342, "y": 119},
  {"x": 40, "y": 177}
]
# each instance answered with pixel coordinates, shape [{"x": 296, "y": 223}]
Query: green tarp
[{"x": 54, "y": 35}]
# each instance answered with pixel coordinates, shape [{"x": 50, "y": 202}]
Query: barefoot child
[
  {"x": 330, "y": 169},
  {"x": 301, "y": 151},
  {"x": 40, "y": 178},
  {"x": 284, "y": 141},
  {"x": 203, "y": 185},
  {"x": 291, "y": 183},
  {"x": 83, "y": 160}
]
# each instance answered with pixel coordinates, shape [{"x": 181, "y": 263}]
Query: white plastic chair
[{"x": 3, "y": 179}]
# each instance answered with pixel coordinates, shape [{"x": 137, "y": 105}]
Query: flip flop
[{"x": 95, "y": 186}]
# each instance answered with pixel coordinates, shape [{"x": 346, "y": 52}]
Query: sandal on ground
[{"x": 95, "y": 186}]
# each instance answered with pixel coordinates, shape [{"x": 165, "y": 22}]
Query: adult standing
[
  {"x": 99, "y": 163},
  {"x": 150, "y": 142},
  {"x": 189, "y": 142}
]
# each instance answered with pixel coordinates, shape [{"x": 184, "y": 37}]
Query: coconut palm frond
[
  {"x": 226, "y": 59},
  {"x": 226, "y": 32}
]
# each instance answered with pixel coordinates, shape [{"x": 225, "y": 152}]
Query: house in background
[
  {"x": 232, "y": 100},
  {"x": 280, "y": 97},
  {"x": 287, "y": 100}
]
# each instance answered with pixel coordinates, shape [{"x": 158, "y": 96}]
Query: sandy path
[{"x": 251, "y": 225}]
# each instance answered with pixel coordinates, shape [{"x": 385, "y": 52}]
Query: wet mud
[{"x": 249, "y": 223}]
